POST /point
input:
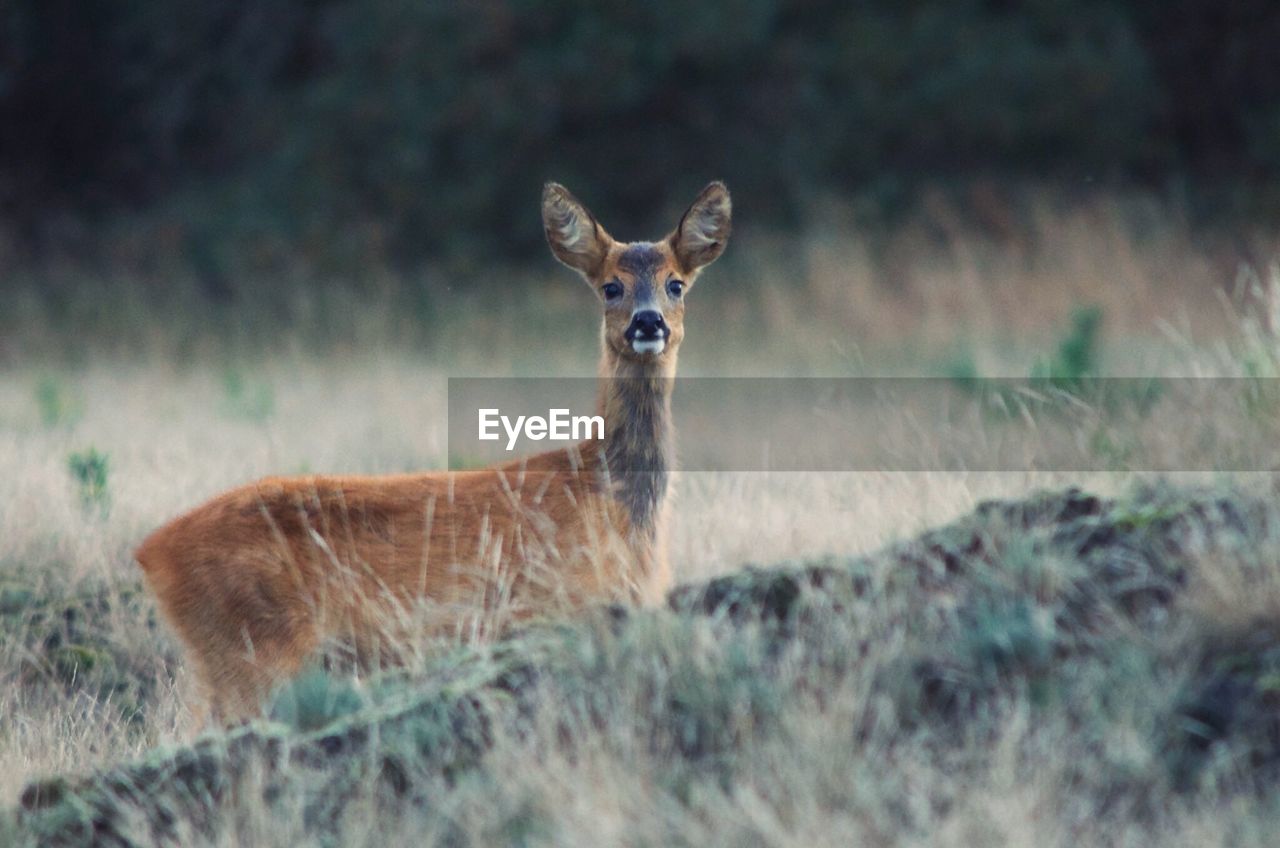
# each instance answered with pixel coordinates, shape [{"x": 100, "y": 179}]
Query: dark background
[{"x": 352, "y": 131}]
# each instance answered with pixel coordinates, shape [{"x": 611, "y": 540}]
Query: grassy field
[{"x": 1019, "y": 695}]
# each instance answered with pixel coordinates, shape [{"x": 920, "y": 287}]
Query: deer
[{"x": 262, "y": 578}]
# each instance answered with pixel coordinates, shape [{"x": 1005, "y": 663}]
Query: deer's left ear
[{"x": 703, "y": 231}]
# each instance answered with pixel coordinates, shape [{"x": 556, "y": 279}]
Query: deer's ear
[
  {"x": 575, "y": 237},
  {"x": 703, "y": 232}
]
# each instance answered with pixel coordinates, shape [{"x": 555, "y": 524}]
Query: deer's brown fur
[{"x": 259, "y": 578}]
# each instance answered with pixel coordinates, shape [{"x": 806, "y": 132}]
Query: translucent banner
[{"x": 889, "y": 424}]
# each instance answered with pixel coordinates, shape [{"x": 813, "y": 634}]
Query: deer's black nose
[{"x": 647, "y": 325}]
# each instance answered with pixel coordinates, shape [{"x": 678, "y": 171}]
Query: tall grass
[
  {"x": 848, "y": 293},
  {"x": 351, "y": 378}
]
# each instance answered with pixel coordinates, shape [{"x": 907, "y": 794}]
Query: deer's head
[{"x": 641, "y": 284}]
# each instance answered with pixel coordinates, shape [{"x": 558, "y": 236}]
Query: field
[{"x": 1062, "y": 668}]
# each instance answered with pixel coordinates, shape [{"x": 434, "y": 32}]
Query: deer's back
[{"x": 329, "y": 546}]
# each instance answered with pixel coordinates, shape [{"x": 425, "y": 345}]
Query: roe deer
[{"x": 259, "y": 578}]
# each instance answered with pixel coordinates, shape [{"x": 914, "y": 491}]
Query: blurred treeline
[{"x": 399, "y": 130}]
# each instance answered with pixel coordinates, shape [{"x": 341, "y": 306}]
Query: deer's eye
[
  {"x": 612, "y": 291},
  {"x": 675, "y": 287}
]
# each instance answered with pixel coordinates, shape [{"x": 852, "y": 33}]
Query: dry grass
[
  {"x": 178, "y": 428},
  {"x": 846, "y": 296}
]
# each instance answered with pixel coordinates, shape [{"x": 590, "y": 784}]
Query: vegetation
[
  {"x": 1057, "y": 668},
  {"x": 1061, "y": 668},
  {"x": 255, "y": 238},
  {"x": 1137, "y": 633},
  {"x": 245, "y": 241},
  {"x": 252, "y": 132},
  {"x": 89, "y": 469}
]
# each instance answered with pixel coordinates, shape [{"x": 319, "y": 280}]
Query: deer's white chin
[{"x": 654, "y": 346}]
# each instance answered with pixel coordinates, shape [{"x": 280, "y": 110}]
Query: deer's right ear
[{"x": 575, "y": 237}]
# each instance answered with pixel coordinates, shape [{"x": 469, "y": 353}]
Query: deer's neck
[{"x": 635, "y": 401}]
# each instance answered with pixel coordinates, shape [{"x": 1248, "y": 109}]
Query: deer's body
[{"x": 260, "y": 577}]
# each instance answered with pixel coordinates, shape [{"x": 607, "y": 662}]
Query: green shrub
[
  {"x": 1077, "y": 356},
  {"x": 56, "y": 405},
  {"x": 315, "y": 699},
  {"x": 90, "y": 470}
]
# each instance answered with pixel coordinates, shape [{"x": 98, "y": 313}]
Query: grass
[
  {"x": 874, "y": 657},
  {"x": 871, "y": 296},
  {"x": 890, "y": 698},
  {"x": 90, "y": 470}
]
